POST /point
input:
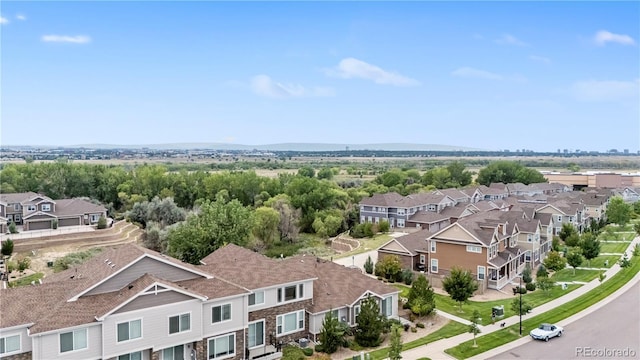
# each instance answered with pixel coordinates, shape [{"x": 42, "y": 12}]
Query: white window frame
[
  {"x": 423, "y": 259},
  {"x": 281, "y": 293},
  {"x": 257, "y": 295},
  {"x": 129, "y": 327},
  {"x": 16, "y": 207},
  {"x": 46, "y": 207},
  {"x": 400, "y": 223},
  {"x": 179, "y": 316},
  {"x": 356, "y": 312},
  {"x": 559, "y": 218},
  {"x": 434, "y": 246},
  {"x": 31, "y": 208},
  {"x": 129, "y": 356},
  {"x": 386, "y": 306},
  {"x": 173, "y": 348},
  {"x": 434, "y": 261},
  {"x": 226, "y": 336},
  {"x": 255, "y": 345},
  {"x": 73, "y": 334},
  {"x": 474, "y": 249},
  {"x": 7, "y": 351},
  {"x": 17, "y": 217},
  {"x": 280, "y": 323},
  {"x": 222, "y": 313},
  {"x": 529, "y": 238},
  {"x": 483, "y": 273},
  {"x": 94, "y": 218}
]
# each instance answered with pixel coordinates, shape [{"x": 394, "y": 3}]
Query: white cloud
[
  {"x": 467, "y": 72},
  {"x": 541, "y": 59},
  {"x": 263, "y": 85},
  {"x": 602, "y": 37},
  {"x": 605, "y": 90},
  {"x": 78, "y": 39},
  {"x": 3, "y": 20},
  {"x": 21, "y": 17},
  {"x": 350, "y": 68},
  {"x": 507, "y": 39}
]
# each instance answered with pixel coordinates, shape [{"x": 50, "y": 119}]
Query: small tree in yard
[
  {"x": 590, "y": 246},
  {"x": 555, "y": 261},
  {"x": 518, "y": 309},
  {"x": 545, "y": 284},
  {"x": 102, "y": 222},
  {"x": 421, "y": 299},
  {"x": 566, "y": 231},
  {"x": 7, "y": 247},
  {"x": 368, "y": 265},
  {"x": 624, "y": 261},
  {"x": 332, "y": 333},
  {"x": 24, "y": 263},
  {"x": 526, "y": 274},
  {"x": 370, "y": 324},
  {"x": 395, "y": 344},
  {"x": 636, "y": 228},
  {"x": 618, "y": 211},
  {"x": 460, "y": 285},
  {"x": 542, "y": 272},
  {"x": 383, "y": 226},
  {"x": 473, "y": 327},
  {"x": 12, "y": 228},
  {"x": 389, "y": 267},
  {"x": 572, "y": 240},
  {"x": 574, "y": 259}
]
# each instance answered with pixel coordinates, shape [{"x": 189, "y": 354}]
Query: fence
[{"x": 46, "y": 233}]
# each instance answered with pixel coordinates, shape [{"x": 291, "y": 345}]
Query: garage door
[
  {"x": 69, "y": 222},
  {"x": 39, "y": 225}
]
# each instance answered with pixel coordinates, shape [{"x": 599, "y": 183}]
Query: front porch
[{"x": 506, "y": 268}]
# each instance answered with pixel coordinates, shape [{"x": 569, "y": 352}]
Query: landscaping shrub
[
  {"x": 420, "y": 325},
  {"x": 406, "y": 327},
  {"x": 102, "y": 222},
  {"x": 307, "y": 351},
  {"x": 530, "y": 286},
  {"x": 522, "y": 290},
  {"x": 291, "y": 352},
  {"x": 7, "y": 247},
  {"x": 24, "y": 263},
  {"x": 413, "y": 329},
  {"x": 407, "y": 276},
  {"x": 12, "y": 228},
  {"x": 318, "y": 348},
  {"x": 54, "y": 224},
  {"x": 526, "y": 274},
  {"x": 368, "y": 265}
]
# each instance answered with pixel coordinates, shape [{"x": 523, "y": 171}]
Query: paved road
[{"x": 615, "y": 326}]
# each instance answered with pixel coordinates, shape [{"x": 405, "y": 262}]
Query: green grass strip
[
  {"x": 504, "y": 336},
  {"x": 26, "y": 280}
]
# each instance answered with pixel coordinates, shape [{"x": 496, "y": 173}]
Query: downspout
[{"x": 245, "y": 312}]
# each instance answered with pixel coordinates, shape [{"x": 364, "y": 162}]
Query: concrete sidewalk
[{"x": 435, "y": 350}]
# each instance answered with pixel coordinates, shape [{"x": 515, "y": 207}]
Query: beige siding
[
  {"x": 450, "y": 255},
  {"x": 144, "y": 266},
  {"x": 457, "y": 233},
  {"x": 394, "y": 247}
]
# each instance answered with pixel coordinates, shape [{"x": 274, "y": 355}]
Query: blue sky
[{"x": 491, "y": 75}]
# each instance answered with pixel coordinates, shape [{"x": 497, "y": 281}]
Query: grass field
[
  {"x": 600, "y": 260},
  {"x": 26, "y": 280},
  {"x": 501, "y": 337},
  {"x": 612, "y": 247},
  {"x": 566, "y": 275},
  {"x": 366, "y": 244}
]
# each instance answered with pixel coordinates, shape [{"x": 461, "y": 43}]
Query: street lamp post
[{"x": 520, "y": 291}]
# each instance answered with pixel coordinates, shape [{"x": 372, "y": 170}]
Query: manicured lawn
[
  {"x": 404, "y": 290},
  {"x": 501, "y": 337},
  {"x": 535, "y": 298},
  {"x": 600, "y": 260},
  {"x": 452, "y": 328},
  {"x": 26, "y": 280},
  {"x": 581, "y": 275},
  {"x": 611, "y": 247}
]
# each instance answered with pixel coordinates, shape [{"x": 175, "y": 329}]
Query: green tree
[
  {"x": 289, "y": 217},
  {"x": 526, "y": 274},
  {"x": 7, "y": 247},
  {"x": 618, "y": 212},
  {"x": 368, "y": 265},
  {"x": 504, "y": 171},
  {"x": 473, "y": 327},
  {"x": 325, "y": 173},
  {"x": 439, "y": 177},
  {"x": 102, "y": 222},
  {"x": 520, "y": 306},
  {"x": 395, "y": 344},
  {"x": 265, "y": 227},
  {"x": 574, "y": 259},
  {"x": 460, "y": 285},
  {"x": 636, "y": 228},
  {"x": 214, "y": 224},
  {"x": 590, "y": 246},
  {"x": 12, "y": 228},
  {"x": 392, "y": 178},
  {"x": 566, "y": 231},
  {"x": 555, "y": 261},
  {"x": 332, "y": 334},
  {"x": 24, "y": 263},
  {"x": 542, "y": 272},
  {"x": 307, "y": 171},
  {"x": 383, "y": 226},
  {"x": 370, "y": 323},
  {"x": 545, "y": 283},
  {"x": 390, "y": 267},
  {"x": 421, "y": 299},
  {"x": 572, "y": 240},
  {"x": 459, "y": 175}
]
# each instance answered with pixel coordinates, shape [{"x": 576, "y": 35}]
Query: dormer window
[{"x": 46, "y": 207}]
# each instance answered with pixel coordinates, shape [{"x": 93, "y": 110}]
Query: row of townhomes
[
  {"x": 494, "y": 238},
  {"x": 131, "y": 303},
  {"x": 38, "y": 212}
]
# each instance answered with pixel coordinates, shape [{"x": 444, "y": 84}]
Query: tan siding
[
  {"x": 144, "y": 266},
  {"x": 395, "y": 247},
  {"x": 456, "y": 232},
  {"x": 450, "y": 255}
]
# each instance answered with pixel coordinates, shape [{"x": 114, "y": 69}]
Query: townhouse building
[
  {"x": 398, "y": 210},
  {"x": 131, "y": 303}
]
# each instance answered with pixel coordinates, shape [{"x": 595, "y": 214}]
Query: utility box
[{"x": 497, "y": 311}]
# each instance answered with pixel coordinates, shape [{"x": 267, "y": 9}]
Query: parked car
[{"x": 546, "y": 332}]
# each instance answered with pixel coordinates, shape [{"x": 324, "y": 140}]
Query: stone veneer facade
[
  {"x": 269, "y": 315},
  {"x": 23, "y": 356},
  {"x": 201, "y": 348}
]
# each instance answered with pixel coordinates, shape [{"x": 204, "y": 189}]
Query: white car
[{"x": 546, "y": 332}]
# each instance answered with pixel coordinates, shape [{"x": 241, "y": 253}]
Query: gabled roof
[
  {"x": 454, "y": 211},
  {"x": 427, "y": 217},
  {"x": 68, "y": 207},
  {"x": 39, "y": 213},
  {"x": 412, "y": 243},
  {"x": 248, "y": 268},
  {"x": 419, "y": 199},
  {"x": 388, "y": 199},
  {"x": 336, "y": 285},
  {"x": 13, "y": 198},
  {"x": 453, "y": 193}
]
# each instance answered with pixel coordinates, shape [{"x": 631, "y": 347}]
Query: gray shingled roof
[
  {"x": 67, "y": 207},
  {"x": 427, "y": 217}
]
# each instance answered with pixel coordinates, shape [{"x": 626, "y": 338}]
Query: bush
[
  {"x": 526, "y": 274},
  {"x": 542, "y": 272},
  {"x": 54, "y": 224},
  {"x": 292, "y": 353},
  {"x": 383, "y": 226},
  {"x": 420, "y": 325},
  {"x": 7, "y": 247},
  {"x": 12, "y": 228},
  {"x": 413, "y": 329},
  {"x": 530, "y": 286},
  {"x": 368, "y": 265},
  {"x": 407, "y": 276},
  {"x": 102, "y": 222},
  {"x": 318, "y": 348},
  {"x": 307, "y": 351},
  {"x": 11, "y": 265},
  {"x": 522, "y": 290},
  {"x": 24, "y": 263},
  {"x": 406, "y": 327}
]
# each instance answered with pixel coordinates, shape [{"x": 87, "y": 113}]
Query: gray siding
[
  {"x": 48, "y": 346},
  {"x": 155, "y": 328},
  {"x": 144, "y": 266},
  {"x": 239, "y": 316},
  {"x": 151, "y": 300},
  {"x": 69, "y": 222}
]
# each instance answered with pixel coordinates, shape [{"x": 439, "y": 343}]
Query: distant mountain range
[{"x": 270, "y": 147}]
